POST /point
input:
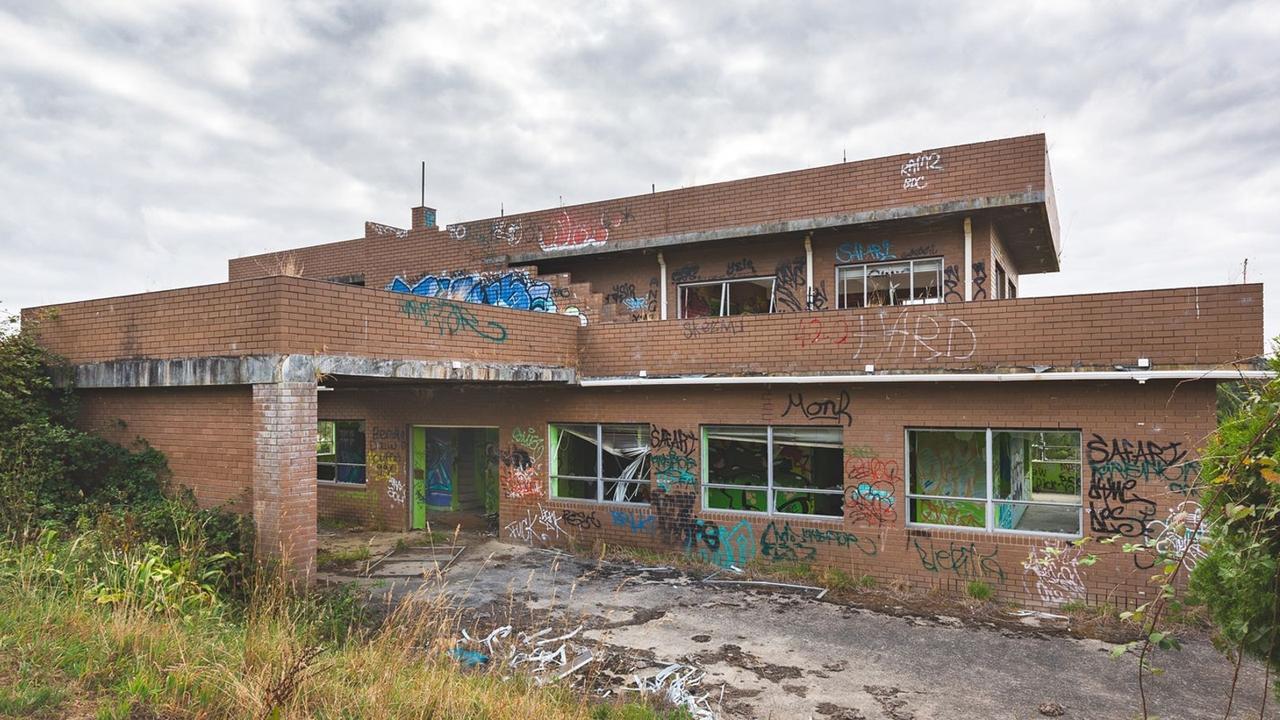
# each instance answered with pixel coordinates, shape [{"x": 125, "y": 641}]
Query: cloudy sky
[{"x": 143, "y": 143}]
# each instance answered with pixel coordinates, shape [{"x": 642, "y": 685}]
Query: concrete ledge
[
  {"x": 267, "y": 369},
  {"x": 797, "y": 225}
]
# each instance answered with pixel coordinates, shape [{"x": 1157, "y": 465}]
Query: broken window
[
  {"x": 748, "y": 296},
  {"x": 905, "y": 282},
  {"x": 600, "y": 462},
  {"x": 340, "y": 451},
  {"x": 773, "y": 470},
  {"x": 997, "y": 480}
]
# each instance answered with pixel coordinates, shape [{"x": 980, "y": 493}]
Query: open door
[{"x": 455, "y": 472}]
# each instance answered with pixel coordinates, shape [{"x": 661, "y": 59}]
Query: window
[
  {"x": 340, "y": 451},
  {"x": 906, "y": 282},
  {"x": 601, "y": 463},
  {"x": 1001, "y": 282},
  {"x": 997, "y": 480},
  {"x": 748, "y": 296},
  {"x": 773, "y": 469}
]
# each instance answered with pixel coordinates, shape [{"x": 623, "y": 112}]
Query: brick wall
[
  {"x": 888, "y": 551},
  {"x": 996, "y": 168},
  {"x": 206, "y": 435},
  {"x": 296, "y": 315},
  {"x": 284, "y": 474},
  {"x": 1199, "y": 327}
]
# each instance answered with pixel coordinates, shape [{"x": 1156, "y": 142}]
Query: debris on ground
[
  {"x": 535, "y": 654},
  {"x": 1052, "y": 709},
  {"x": 712, "y": 580},
  {"x": 678, "y": 688}
]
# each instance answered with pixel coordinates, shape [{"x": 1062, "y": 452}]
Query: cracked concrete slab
[{"x": 773, "y": 654}]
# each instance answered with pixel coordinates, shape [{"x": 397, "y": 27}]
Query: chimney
[{"x": 423, "y": 217}]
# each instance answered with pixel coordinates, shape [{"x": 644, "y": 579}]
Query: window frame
[
  {"x": 911, "y": 272},
  {"x": 599, "y": 479},
  {"x": 769, "y": 488},
  {"x": 335, "y": 464},
  {"x": 724, "y": 295},
  {"x": 989, "y": 502}
]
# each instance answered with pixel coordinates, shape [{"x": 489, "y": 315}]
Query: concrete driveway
[{"x": 784, "y": 654}]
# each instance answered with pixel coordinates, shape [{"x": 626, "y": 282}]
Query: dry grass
[{"x": 282, "y": 656}]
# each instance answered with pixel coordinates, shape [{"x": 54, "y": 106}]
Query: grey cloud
[{"x": 144, "y": 143}]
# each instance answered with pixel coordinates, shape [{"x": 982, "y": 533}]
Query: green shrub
[
  {"x": 1239, "y": 578},
  {"x": 979, "y": 590}
]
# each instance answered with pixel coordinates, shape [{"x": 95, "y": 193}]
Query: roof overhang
[{"x": 1140, "y": 377}]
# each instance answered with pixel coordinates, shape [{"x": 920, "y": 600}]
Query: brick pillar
[{"x": 284, "y": 475}]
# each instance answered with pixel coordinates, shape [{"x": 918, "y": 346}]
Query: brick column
[{"x": 284, "y": 475}]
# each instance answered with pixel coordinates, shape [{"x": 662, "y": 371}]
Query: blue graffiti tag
[
  {"x": 509, "y": 290},
  {"x": 857, "y": 252}
]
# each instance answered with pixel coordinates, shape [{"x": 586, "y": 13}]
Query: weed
[{"x": 979, "y": 590}]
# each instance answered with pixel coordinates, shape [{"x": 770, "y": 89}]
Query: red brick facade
[{"x": 518, "y": 323}]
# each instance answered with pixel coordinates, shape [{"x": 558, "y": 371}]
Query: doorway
[{"x": 455, "y": 476}]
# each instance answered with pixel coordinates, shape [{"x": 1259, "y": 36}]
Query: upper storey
[{"x": 1005, "y": 184}]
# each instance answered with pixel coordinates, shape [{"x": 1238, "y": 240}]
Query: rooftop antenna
[
  {"x": 653, "y": 188},
  {"x": 561, "y": 201},
  {"x": 502, "y": 210},
  {"x": 422, "y": 201},
  {"x": 844, "y": 155},
  {"x": 1244, "y": 280}
]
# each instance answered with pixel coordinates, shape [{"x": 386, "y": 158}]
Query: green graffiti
[{"x": 452, "y": 318}]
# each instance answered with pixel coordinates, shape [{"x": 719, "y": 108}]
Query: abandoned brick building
[{"x": 833, "y": 365}]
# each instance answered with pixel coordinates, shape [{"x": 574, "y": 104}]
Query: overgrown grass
[{"x": 143, "y": 633}]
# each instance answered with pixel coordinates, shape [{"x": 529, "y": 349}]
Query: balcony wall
[
  {"x": 1178, "y": 328},
  {"x": 290, "y": 315}
]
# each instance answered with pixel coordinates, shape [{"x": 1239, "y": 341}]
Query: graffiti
[
  {"x": 518, "y": 473},
  {"x": 921, "y": 251},
  {"x": 818, "y": 300},
  {"x": 951, "y": 283},
  {"x": 581, "y": 520},
  {"x": 1114, "y": 471},
  {"x": 859, "y": 451},
  {"x": 389, "y": 438},
  {"x": 684, "y": 274},
  {"x": 540, "y": 526},
  {"x": 927, "y": 336},
  {"x": 395, "y": 491},
  {"x": 570, "y": 233},
  {"x": 1056, "y": 572},
  {"x": 506, "y": 231},
  {"x": 377, "y": 229},
  {"x": 678, "y": 526},
  {"x": 1148, "y": 461},
  {"x": 739, "y": 267},
  {"x": 736, "y": 546},
  {"x": 634, "y": 521},
  {"x": 782, "y": 543},
  {"x": 672, "y": 469},
  {"x": 641, "y": 307},
  {"x": 528, "y": 437},
  {"x": 456, "y": 231},
  {"x": 510, "y": 290},
  {"x": 856, "y": 252},
  {"x": 575, "y": 312},
  {"x": 679, "y": 440},
  {"x": 962, "y": 559},
  {"x": 1177, "y": 536},
  {"x": 729, "y": 325},
  {"x": 452, "y": 318},
  {"x": 913, "y": 171},
  {"x": 825, "y": 409},
  {"x": 440, "y": 457},
  {"x": 980, "y": 280},
  {"x": 789, "y": 284},
  {"x": 872, "y": 484}
]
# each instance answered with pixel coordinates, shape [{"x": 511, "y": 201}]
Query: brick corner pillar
[{"x": 284, "y": 476}]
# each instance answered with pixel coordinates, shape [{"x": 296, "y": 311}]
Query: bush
[{"x": 1239, "y": 578}]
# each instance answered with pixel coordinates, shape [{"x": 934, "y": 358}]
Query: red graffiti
[
  {"x": 569, "y": 232},
  {"x": 872, "y": 483}
]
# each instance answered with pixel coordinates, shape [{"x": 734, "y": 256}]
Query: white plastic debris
[{"x": 678, "y": 688}]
